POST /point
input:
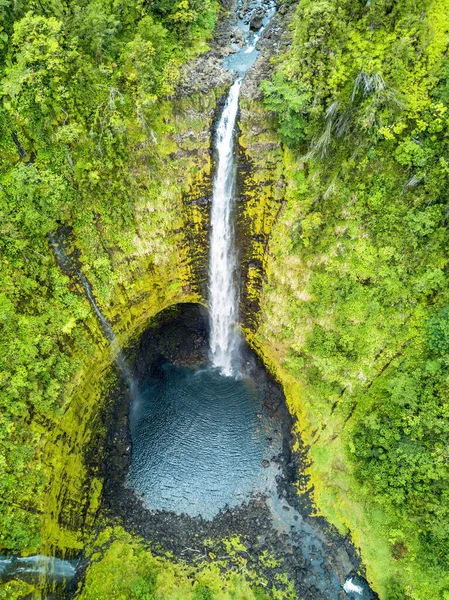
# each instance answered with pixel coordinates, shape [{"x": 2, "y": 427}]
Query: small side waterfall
[
  {"x": 33, "y": 566},
  {"x": 223, "y": 298},
  {"x": 54, "y": 577},
  {"x": 67, "y": 265}
]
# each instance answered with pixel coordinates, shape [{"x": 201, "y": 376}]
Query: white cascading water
[
  {"x": 223, "y": 299},
  {"x": 223, "y": 295},
  {"x": 351, "y": 587}
]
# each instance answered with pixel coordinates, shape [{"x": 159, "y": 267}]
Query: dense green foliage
[
  {"x": 361, "y": 100},
  {"x": 149, "y": 577},
  {"x": 358, "y": 299},
  {"x": 81, "y": 109}
]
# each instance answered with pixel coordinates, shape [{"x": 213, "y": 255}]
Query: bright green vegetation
[
  {"x": 356, "y": 306},
  {"x": 355, "y": 314},
  {"x": 84, "y": 94},
  {"x": 150, "y": 577}
]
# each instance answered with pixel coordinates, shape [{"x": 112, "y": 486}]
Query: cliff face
[
  {"x": 165, "y": 264},
  {"x": 262, "y": 183},
  {"x": 165, "y": 267}
]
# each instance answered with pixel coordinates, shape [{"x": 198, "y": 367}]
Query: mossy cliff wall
[
  {"x": 164, "y": 267},
  {"x": 337, "y": 494},
  {"x": 261, "y": 193},
  {"x": 274, "y": 291},
  {"x": 165, "y": 264},
  {"x": 261, "y": 181}
]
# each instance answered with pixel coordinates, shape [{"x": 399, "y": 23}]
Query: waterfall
[
  {"x": 54, "y": 568},
  {"x": 223, "y": 298},
  {"x": 223, "y": 295},
  {"x": 67, "y": 265}
]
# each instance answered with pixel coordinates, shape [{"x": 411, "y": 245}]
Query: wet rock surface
[
  {"x": 207, "y": 72},
  {"x": 274, "y": 41},
  {"x": 313, "y": 555},
  {"x": 256, "y": 21}
]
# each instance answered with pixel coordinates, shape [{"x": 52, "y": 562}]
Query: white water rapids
[
  {"x": 349, "y": 586},
  {"x": 223, "y": 298}
]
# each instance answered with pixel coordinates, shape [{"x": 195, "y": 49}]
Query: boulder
[{"x": 256, "y": 20}]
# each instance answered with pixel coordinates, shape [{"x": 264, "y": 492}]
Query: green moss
[
  {"x": 150, "y": 577},
  {"x": 338, "y": 492},
  {"x": 356, "y": 283},
  {"x": 72, "y": 496},
  {"x": 13, "y": 590},
  {"x": 262, "y": 194}
]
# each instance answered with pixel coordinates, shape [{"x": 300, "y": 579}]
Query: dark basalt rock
[{"x": 256, "y": 20}]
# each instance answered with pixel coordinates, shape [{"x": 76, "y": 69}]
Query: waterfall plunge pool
[
  {"x": 201, "y": 441},
  {"x": 197, "y": 456}
]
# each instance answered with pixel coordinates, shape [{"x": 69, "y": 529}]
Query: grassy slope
[{"x": 353, "y": 314}]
